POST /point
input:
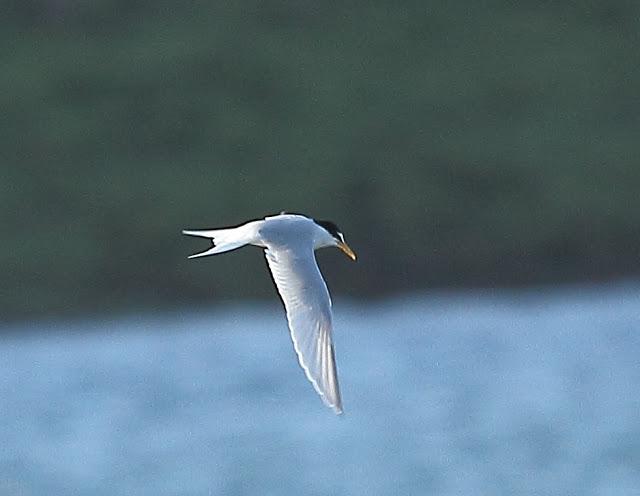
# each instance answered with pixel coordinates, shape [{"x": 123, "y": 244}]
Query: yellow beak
[{"x": 348, "y": 251}]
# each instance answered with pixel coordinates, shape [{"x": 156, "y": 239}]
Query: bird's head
[{"x": 333, "y": 237}]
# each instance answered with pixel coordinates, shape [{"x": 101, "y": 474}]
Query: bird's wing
[{"x": 308, "y": 305}]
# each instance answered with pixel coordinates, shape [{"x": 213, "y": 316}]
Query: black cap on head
[{"x": 330, "y": 227}]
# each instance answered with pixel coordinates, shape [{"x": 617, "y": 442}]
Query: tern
[{"x": 289, "y": 242}]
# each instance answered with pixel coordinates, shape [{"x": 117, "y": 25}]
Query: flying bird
[{"x": 289, "y": 242}]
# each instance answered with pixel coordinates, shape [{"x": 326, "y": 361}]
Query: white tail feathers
[
  {"x": 222, "y": 239},
  {"x": 211, "y": 233}
]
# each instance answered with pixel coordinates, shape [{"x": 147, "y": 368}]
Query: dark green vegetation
[{"x": 475, "y": 143}]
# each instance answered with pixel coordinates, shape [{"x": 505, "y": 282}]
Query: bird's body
[{"x": 289, "y": 242}]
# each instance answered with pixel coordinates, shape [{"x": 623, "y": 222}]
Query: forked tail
[{"x": 222, "y": 239}]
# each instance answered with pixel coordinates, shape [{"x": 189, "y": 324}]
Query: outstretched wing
[{"x": 308, "y": 305}]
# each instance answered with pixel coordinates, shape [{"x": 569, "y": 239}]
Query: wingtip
[{"x": 335, "y": 407}]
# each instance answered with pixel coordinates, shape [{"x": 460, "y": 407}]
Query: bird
[{"x": 289, "y": 242}]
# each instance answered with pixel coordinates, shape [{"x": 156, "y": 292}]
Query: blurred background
[{"x": 481, "y": 159}]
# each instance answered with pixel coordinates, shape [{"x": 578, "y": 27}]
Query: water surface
[{"x": 529, "y": 393}]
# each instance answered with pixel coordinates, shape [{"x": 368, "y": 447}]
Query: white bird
[{"x": 289, "y": 243}]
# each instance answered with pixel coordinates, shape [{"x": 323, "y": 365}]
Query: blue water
[{"x": 525, "y": 393}]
